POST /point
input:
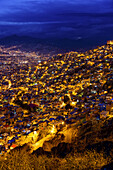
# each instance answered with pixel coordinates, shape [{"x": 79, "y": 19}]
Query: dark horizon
[{"x": 53, "y": 44}]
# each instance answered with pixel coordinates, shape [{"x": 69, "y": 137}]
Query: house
[
  {"x": 110, "y": 42},
  {"x": 104, "y": 114},
  {"x": 42, "y": 124}
]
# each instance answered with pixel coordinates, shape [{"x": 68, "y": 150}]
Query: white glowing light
[
  {"x": 53, "y": 129},
  {"x": 35, "y": 132}
]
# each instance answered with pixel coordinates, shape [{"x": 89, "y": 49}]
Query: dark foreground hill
[{"x": 92, "y": 148}]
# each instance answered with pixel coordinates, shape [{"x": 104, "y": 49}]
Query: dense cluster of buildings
[{"x": 70, "y": 88}]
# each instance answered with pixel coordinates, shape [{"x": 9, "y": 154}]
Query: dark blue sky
[{"x": 56, "y": 18}]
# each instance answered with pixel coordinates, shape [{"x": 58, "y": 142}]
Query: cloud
[
  {"x": 40, "y": 7},
  {"x": 30, "y": 23},
  {"x": 51, "y": 17}
]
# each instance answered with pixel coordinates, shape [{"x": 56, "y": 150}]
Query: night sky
[{"x": 74, "y": 19}]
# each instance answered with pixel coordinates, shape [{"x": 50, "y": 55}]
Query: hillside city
[{"x": 41, "y": 96}]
